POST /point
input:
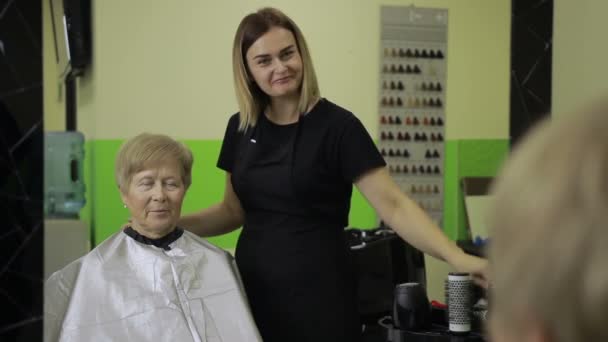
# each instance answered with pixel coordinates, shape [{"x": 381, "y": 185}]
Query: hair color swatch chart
[{"x": 411, "y": 108}]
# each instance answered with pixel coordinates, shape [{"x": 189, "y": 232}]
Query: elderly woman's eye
[{"x": 172, "y": 185}]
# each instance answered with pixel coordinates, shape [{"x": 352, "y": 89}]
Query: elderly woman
[{"x": 151, "y": 281}]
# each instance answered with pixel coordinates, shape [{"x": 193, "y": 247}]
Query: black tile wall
[
  {"x": 21, "y": 171},
  {"x": 531, "y": 56}
]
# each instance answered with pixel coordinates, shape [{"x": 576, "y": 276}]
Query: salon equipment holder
[{"x": 436, "y": 333}]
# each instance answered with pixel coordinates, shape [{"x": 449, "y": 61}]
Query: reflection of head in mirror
[
  {"x": 272, "y": 66},
  {"x": 550, "y": 234},
  {"x": 153, "y": 173}
]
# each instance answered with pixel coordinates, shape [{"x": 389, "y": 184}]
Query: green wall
[
  {"x": 105, "y": 213},
  {"x": 467, "y": 158}
]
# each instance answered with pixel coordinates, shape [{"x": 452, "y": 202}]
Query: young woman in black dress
[{"x": 291, "y": 158}]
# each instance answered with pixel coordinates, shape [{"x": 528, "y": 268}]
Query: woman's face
[
  {"x": 154, "y": 198},
  {"x": 275, "y": 63}
]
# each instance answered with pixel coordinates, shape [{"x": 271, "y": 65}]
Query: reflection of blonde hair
[
  {"x": 251, "y": 99},
  {"x": 549, "y": 222},
  {"x": 147, "y": 150}
]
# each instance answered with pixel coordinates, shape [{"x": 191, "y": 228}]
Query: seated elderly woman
[
  {"x": 151, "y": 281},
  {"x": 549, "y": 250}
]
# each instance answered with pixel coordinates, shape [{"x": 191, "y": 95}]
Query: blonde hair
[
  {"x": 549, "y": 223},
  {"x": 251, "y": 99},
  {"x": 148, "y": 149}
]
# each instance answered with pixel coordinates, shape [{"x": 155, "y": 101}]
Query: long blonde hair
[{"x": 251, "y": 99}]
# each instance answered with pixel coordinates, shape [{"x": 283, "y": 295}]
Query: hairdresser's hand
[{"x": 477, "y": 267}]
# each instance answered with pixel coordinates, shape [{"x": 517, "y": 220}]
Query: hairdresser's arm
[
  {"x": 218, "y": 219},
  {"x": 410, "y": 222}
]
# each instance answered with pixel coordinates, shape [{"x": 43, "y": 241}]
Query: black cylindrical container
[{"x": 411, "y": 308}]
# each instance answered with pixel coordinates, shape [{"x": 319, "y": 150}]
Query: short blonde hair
[
  {"x": 251, "y": 99},
  {"x": 549, "y": 223},
  {"x": 148, "y": 149}
]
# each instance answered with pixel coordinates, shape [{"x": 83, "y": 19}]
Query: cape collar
[{"x": 162, "y": 242}]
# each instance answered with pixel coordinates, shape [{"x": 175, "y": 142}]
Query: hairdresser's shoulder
[{"x": 334, "y": 112}]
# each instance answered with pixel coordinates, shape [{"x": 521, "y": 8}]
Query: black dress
[{"x": 294, "y": 183}]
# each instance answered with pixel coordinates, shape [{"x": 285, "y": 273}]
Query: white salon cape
[{"x": 125, "y": 290}]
